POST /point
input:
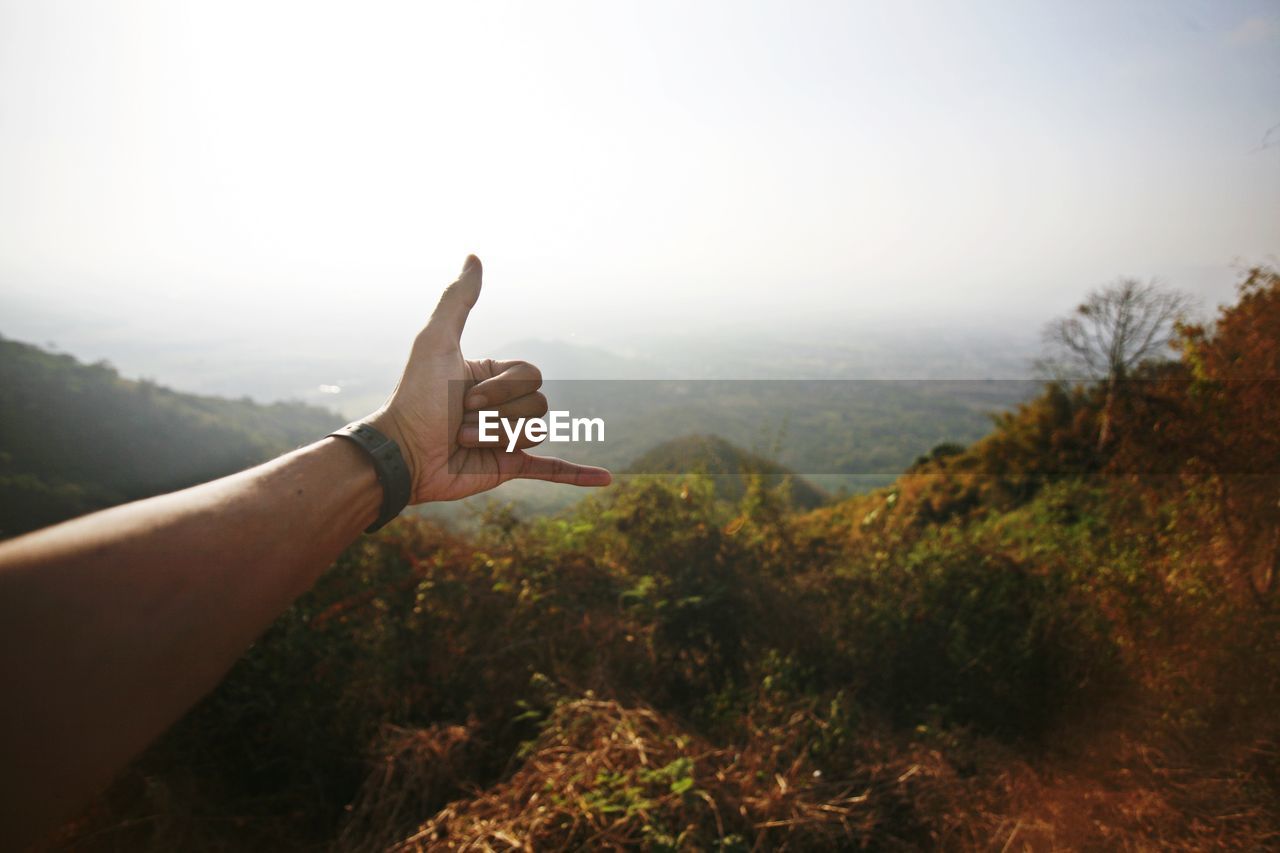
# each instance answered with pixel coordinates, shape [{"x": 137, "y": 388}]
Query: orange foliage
[{"x": 1214, "y": 420}]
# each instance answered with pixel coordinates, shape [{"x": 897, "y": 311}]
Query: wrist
[
  {"x": 354, "y": 477},
  {"x": 386, "y": 421}
]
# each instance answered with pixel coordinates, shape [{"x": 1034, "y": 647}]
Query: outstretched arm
[{"x": 113, "y": 625}]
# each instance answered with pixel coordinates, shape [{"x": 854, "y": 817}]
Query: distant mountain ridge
[
  {"x": 907, "y": 354},
  {"x": 75, "y": 437}
]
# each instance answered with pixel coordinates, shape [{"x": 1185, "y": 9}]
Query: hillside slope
[
  {"x": 728, "y": 465},
  {"x": 76, "y": 437}
]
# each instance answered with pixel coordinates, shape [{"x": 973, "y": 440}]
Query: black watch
[{"x": 388, "y": 464}]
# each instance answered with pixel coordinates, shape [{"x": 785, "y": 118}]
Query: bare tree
[{"x": 1114, "y": 330}]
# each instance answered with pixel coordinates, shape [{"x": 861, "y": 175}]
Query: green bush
[{"x": 974, "y": 637}]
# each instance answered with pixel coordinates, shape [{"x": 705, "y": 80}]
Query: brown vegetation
[{"x": 1033, "y": 643}]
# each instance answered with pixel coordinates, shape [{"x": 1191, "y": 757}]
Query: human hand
[{"x": 436, "y": 429}]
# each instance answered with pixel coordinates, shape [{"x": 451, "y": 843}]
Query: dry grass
[
  {"x": 418, "y": 771},
  {"x": 1124, "y": 795},
  {"x": 607, "y": 777},
  {"x": 604, "y": 776}
]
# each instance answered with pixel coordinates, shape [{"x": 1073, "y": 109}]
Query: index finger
[{"x": 554, "y": 470}]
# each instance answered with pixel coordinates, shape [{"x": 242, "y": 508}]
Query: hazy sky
[{"x": 299, "y": 175}]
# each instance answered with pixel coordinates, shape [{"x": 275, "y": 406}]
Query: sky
[{"x": 289, "y": 179}]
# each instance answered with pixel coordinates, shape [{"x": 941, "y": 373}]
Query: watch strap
[{"x": 388, "y": 464}]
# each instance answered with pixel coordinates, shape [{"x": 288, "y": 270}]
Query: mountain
[
  {"x": 893, "y": 350},
  {"x": 898, "y": 352},
  {"x": 78, "y": 437},
  {"x": 727, "y": 464}
]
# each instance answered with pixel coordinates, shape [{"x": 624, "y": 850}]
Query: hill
[
  {"x": 77, "y": 437},
  {"x": 729, "y": 466}
]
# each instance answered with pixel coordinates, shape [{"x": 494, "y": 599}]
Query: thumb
[{"x": 450, "y": 316}]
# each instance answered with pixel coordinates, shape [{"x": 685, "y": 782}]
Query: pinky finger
[{"x": 555, "y": 470}]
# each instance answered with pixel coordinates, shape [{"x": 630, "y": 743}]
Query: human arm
[{"x": 113, "y": 625}]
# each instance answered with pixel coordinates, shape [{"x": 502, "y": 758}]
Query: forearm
[{"x": 113, "y": 625}]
